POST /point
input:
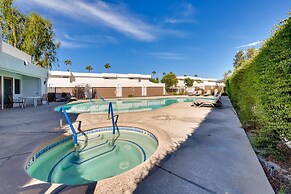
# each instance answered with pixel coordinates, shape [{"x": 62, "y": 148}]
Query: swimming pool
[
  {"x": 128, "y": 105},
  {"x": 97, "y": 158}
]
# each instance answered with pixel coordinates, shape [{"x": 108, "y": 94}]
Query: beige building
[{"x": 107, "y": 85}]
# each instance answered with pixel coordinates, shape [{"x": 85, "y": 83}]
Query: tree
[
  {"x": 250, "y": 53},
  {"x": 154, "y": 73},
  {"x": 107, "y": 67},
  {"x": 39, "y": 40},
  {"x": 12, "y": 23},
  {"x": 170, "y": 80},
  {"x": 188, "y": 82},
  {"x": 164, "y": 73},
  {"x": 68, "y": 63},
  {"x": 154, "y": 80},
  {"x": 238, "y": 59},
  {"x": 30, "y": 33},
  {"x": 242, "y": 56},
  {"x": 226, "y": 75},
  {"x": 89, "y": 68},
  {"x": 195, "y": 75}
]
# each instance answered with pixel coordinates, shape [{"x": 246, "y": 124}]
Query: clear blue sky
[{"x": 140, "y": 36}]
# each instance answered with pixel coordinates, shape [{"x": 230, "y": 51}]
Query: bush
[{"x": 260, "y": 90}]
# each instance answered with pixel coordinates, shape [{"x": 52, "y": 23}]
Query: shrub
[{"x": 260, "y": 90}]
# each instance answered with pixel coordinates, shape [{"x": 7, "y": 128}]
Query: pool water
[
  {"x": 96, "y": 158},
  {"x": 129, "y": 105}
]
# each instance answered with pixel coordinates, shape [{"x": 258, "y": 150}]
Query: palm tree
[
  {"x": 89, "y": 68},
  {"x": 107, "y": 67},
  {"x": 68, "y": 63},
  {"x": 154, "y": 72}
]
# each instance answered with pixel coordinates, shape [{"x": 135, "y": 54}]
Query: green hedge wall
[{"x": 260, "y": 89}]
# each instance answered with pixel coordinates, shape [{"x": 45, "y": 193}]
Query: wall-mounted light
[{"x": 25, "y": 63}]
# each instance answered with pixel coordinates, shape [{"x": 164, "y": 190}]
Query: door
[{"x": 7, "y": 90}]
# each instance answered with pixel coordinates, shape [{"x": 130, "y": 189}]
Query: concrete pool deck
[{"x": 216, "y": 158}]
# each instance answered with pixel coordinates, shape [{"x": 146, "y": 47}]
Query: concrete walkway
[{"x": 217, "y": 158}]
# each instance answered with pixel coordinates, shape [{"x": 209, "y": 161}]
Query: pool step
[
  {"x": 94, "y": 152},
  {"x": 92, "y": 137}
]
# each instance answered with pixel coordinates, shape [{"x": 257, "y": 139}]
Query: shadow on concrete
[{"x": 216, "y": 158}]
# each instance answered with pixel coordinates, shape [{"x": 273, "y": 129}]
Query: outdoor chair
[
  {"x": 206, "y": 102},
  {"x": 198, "y": 93},
  {"x": 191, "y": 93},
  {"x": 58, "y": 97},
  {"x": 207, "y": 93},
  {"x": 16, "y": 100},
  {"x": 43, "y": 98},
  {"x": 70, "y": 98}
]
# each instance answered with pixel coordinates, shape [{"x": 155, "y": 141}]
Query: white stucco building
[
  {"x": 108, "y": 85},
  {"x": 203, "y": 84},
  {"x": 18, "y": 76}
]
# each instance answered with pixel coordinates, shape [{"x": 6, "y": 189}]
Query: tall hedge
[{"x": 260, "y": 89}]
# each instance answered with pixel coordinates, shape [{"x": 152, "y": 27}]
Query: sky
[{"x": 187, "y": 37}]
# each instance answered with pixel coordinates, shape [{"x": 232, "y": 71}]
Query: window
[{"x": 17, "y": 86}]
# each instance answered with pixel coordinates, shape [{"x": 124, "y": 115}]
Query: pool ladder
[
  {"x": 63, "y": 110},
  {"x": 114, "y": 123}
]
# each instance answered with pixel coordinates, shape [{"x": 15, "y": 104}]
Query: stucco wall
[{"x": 15, "y": 65}]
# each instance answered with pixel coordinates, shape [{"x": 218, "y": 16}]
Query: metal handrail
[
  {"x": 110, "y": 110},
  {"x": 114, "y": 123},
  {"x": 100, "y": 97},
  {"x": 63, "y": 110}
]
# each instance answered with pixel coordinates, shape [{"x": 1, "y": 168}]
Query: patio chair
[
  {"x": 198, "y": 93},
  {"x": 191, "y": 93},
  {"x": 207, "y": 93},
  {"x": 206, "y": 102},
  {"x": 43, "y": 98},
  {"x": 70, "y": 98},
  {"x": 16, "y": 100},
  {"x": 58, "y": 97}
]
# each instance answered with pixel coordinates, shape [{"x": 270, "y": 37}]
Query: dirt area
[{"x": 277, "y": 172}]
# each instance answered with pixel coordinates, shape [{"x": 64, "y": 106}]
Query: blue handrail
[
  {"x": 63, "y": 110},
  {"x": 110, "y": 110}
]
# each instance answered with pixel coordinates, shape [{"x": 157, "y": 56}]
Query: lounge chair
[
  {"x": 206, "y": 102},
  {"x": 70, "y": 98},
  {"x": 207, "y": 93},
  {"x": 198, "y": 93},
  {"x": 191, "y": 93},
  {"x": 58, "y": 97}
]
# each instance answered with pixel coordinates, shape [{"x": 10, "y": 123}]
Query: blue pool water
[
  {"x": 97, "y": 157},
  {"x": 129, "y": 105}
]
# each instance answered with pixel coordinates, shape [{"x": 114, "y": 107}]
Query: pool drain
[
  {"x": 128, "y": 147},
  {"x": 123, "y": 165}
]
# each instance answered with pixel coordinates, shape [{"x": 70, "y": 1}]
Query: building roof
[
  {"x": 197, "y": 78},
  {"x": 99, "y": 75}
]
